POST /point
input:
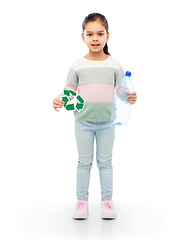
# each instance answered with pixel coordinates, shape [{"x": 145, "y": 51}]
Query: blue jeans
[{"x": 104, "y": 133}]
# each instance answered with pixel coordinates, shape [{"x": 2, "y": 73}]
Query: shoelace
[
  {"x": 80, "y": 205},
  {"x": 107, "y": 205}
]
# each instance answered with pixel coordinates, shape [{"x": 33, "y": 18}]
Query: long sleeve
[
  {"x": 119, "y": 74},
  {"x": 71, "y": 82}
]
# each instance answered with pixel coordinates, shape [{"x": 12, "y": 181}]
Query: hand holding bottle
[
  {"x": 132, "y": 98},
  {"x": 122, "y": 100}
]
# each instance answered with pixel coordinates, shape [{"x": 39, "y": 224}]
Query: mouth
[{"x": 96, "y": 45}]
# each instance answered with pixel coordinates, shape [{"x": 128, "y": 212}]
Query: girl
[{"x": 94, "y": 76}]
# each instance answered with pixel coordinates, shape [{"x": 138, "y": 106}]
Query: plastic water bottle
[{"x": 120, "y": 106}]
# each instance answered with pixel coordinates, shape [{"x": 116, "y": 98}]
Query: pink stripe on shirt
[
  {"x": 69, "y": 87},
  {"x": 96, "y": 92}
]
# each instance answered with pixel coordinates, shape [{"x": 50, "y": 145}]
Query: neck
[{"x": 96, "y": 56}]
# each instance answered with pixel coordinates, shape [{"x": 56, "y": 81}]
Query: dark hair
[{"x": 94, "y": 17}]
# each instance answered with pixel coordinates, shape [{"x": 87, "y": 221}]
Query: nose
[{"x": 95, "y": 37}]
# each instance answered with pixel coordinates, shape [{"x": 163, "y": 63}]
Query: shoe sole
[
  {"x": 80, "y": 218},
  {"x": 108, "y": 217}
]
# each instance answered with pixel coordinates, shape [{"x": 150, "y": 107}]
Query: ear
[
  {"x": 82, "y": 35},
  {"x": 107, "y": 37}
]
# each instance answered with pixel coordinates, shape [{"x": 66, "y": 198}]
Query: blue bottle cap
[{"x": 128, "y": 74}]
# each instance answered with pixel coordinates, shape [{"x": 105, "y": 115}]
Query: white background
[{"x": 39, "y": 41}]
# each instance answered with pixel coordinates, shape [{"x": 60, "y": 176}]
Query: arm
[{"x": 71, "y": 84}]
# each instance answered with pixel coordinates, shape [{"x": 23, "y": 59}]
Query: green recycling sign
[{"x": 77, "y": 104}]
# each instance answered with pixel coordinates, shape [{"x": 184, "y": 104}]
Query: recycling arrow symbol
[{"x": 69, "y": 96}]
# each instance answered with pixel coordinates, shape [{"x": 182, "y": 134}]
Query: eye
[
  {"x": 100, "y": 34},
  {"x": 89, "y": 34}
]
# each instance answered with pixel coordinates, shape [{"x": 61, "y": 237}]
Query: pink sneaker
[
  {"x": 81, "y": 210},
  {"x": 108, "y": 211}
]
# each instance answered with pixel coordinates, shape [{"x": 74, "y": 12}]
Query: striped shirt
[{"x": 95, "y": 82}]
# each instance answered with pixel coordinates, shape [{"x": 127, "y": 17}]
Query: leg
[
  {"x": 105, "y": 139},
  {"x": 85, "y": 143}
]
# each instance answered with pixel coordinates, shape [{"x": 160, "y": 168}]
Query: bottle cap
[{"x": 128, "y": 74}]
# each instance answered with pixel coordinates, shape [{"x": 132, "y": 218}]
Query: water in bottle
[{"x": 120, "y": 106}]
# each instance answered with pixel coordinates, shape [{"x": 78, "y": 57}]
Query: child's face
[{"x": 95, "y": 36}]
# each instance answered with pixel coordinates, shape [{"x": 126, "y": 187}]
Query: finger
[
  {"x": 133, "y": 101},
  {"x": 135, "y": 95},
  {"x": 129, "y": 97},
  {"x": 58, "y": 102},
  {"x": 57, "y": 106},
  {"x": 56, "y": 110},
  {"x": 132, "y": 98}
]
